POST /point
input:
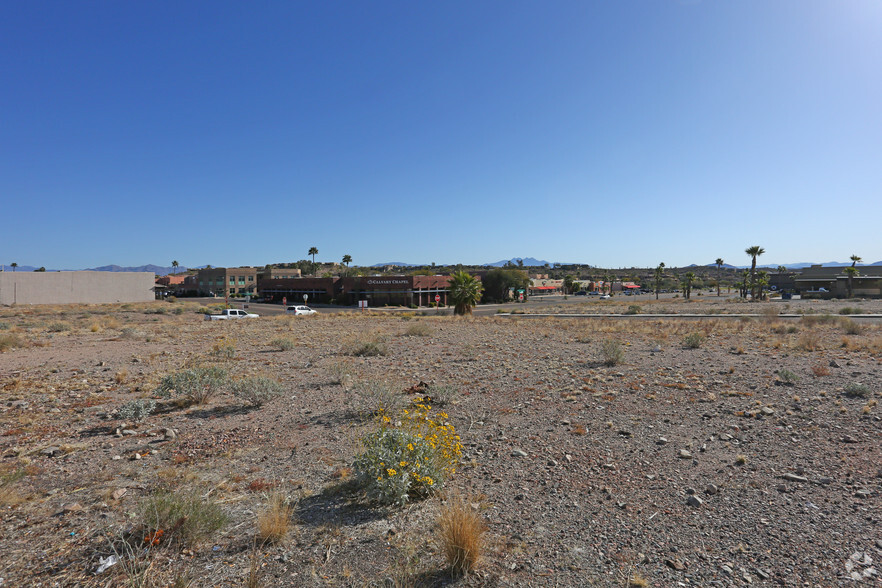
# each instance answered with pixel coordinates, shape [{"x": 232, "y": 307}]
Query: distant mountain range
[{"x": 528, "y": 262}]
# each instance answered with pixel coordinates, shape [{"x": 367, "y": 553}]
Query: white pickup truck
[{"x": 230, "y": 313}]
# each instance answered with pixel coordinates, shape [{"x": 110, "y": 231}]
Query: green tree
[
  {"x": 754, "y": 252},
  {"x": 568, "y": 282},
  {"x": 719, "y": 262},
  {"x": 852, "y": 272},
  {"x": 42, "y": 268},
  {"x": 313, "y": 251},
  {"x": 464, "y": 292},
  {"x": 498, "y": 282},
  {"x": 659, "y": 275},
  {"x": 688, "y": 279},
  {"x": 855, "y": 259},
  {"x": 14, "y": 265},
  {"x": 175, "y": 265},
  {"x": 347, "y": 259},
  {"x": 762, "y": 280}
]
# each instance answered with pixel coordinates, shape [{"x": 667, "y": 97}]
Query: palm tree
[
  {"x": 313, "y": 251},
  {"x": 855, "y": 259},
  {"x": 14, "y": 265},
  {"x": 852, "y": 272},
  {"x": 687, "y": 284},
  {"x": 754, "y": 252},
  {"x": 762, "y": 280},
  {"x": 659, "y": 273},
  {"x": 175, "y": 265},
  {"x": 347, "y": 259},
  {"x": 719, "y": 264},
  {"x": 464, "y": 292}
]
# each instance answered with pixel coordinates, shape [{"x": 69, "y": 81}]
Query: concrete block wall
[{"x": 75, "y": 287}]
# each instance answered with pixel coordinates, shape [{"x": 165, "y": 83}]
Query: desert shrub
[
  {"x": 185, "y": 518},
  {"x": 461, "y": 536},
  {"x": 809, "y": 341},
  {"x": 156, "y": 310},
  {"x": 130, "y": 333},
  {"x": 58, "y": 327},
  {"x": 8, "y": 494},
  {"x": 368, "y": 347},
  {"x": 418, "y": 329},
  {"x": 693, "y": 340},
  {"x": 274, "y": 521},
  {"x": 850, "y": 310},
  {"x": 196, "y": 385},
  {"x": 137, "y": 410},
  {"x": 611, "y": 352},
  {"x": 339, "y": 372},
  {"x": 10, "y": 341},
  {"x": 634, "y": 309},
  {"x": 224, "y": 348},
  {"x": 410, "y": 457},
  {"x": 374, "y": 397},
  {"x": 857, "y": 390},
  {"x": 817, "y": 319},
  {"x": 851, "y": 327},
  {"x": 4, "y": 326},
  {"x": 787, "y": 377},
  {"x": 256, "y": 390},
  {"x": 284, "y": 343},
  {"x": 440, "y": 394},
  {"x": 820, "y": 370}
]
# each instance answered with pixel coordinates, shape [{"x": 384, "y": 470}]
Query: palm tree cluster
[{"x": 464, "y": 291}]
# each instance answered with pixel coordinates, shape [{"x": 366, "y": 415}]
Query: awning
[{"x": 543, "y": 287}]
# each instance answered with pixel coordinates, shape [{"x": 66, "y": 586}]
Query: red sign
[
  {"x": 437, "y": 298},
  {"x": 284, "y": 300},
  {"x": 520, "y": 296}
]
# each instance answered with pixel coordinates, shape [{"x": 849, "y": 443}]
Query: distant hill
[
  {"x": 156, "y": 269},
  {"x": 399, "y": 264},
  {"x": 528, "y": 261}
]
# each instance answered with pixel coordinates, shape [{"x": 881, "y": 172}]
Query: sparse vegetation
[
  {"x": 10, "y": 341},
  {"x": 611, "y": 353},
  {"x": 857, "y": 390},
  {"x": 693, "y": 340},
  {"x": 461, "y": 533},
  {"x": 182, "y": 517},
  {"x": 274, "y": 521},
  {"x": 418, "y": 329},
  {"x": 787, "y": 377},
  {"x": 284, "y": 343},
  {"x": 196, "y": 385},
  {"x": 137, "y": 410},
  {"x": 256, "y": 390}
]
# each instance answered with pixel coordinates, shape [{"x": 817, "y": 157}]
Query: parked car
[
  {"x": 593, "y": 293},
  {"x": 604, "y": 297},
  {"x": 581, "y": 293},
  {"x": 299, "y": 310},
  {"x": 230, "y": 313}
]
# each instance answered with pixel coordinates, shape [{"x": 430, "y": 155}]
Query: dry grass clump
[
  {"x": 611, "y": 353},
  {"x": 224, "y": 348},
  {"x": 418, "y": 329},
  {"x": 461, "y": 536},
  {"x": 366, "y": 347},
  {"x": 851, "y": 327},
  {"x": 10, "y": 341},
  {"x": 274, "y": 521},
  {"x": 186, "y": 518},
  {"x": 809, "y": 341},
  {"x": 820, "y": 370},
  {"x": 9, "y": 496},
  {"x": 284, "y": 343}
]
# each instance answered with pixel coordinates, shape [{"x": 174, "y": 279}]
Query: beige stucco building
[{"x": 75, "y": 287}]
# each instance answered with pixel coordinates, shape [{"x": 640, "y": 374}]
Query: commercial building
[
  {"x": 832, "y": 282},
  {"x": 348, "y": 291},
  {"x": 227, "y": 281},
  {"x": 86, "y": 287}
]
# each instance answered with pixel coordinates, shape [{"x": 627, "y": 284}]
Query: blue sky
[{"x": 611, "y": 133}]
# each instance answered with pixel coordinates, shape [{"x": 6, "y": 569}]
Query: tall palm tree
[
  {"x": 851, "y": 272},
  {"x": 313, "y": 251},
  {"x": 347, "y": 259},
  {"x": 754, "y": 252},
  {"x": 464, "y": 292},
  {"x": 175, "y": 265},
  {"x": 14, "y": 265},
  {"x": 719, "y": 263},
  {"x": 659, "y": 273},
  {"x": 855, "y": 259}
]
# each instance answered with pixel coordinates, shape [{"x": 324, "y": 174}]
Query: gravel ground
[{"x": 720, "y": 452}]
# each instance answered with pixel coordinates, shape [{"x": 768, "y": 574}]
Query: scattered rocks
[
  {"x": 685, "y": 454},
  {"x": 51, "y": 451},
  {"x": 518, "y": 453},
  {"x": 794, "y": 478},
  {"x": 694, "y": 500}
]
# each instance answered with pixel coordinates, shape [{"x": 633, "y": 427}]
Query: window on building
[
  {"x": 250, "y": 278},
  {"x": 241, "y": 280},
  {"x": 232, "y": 280}
]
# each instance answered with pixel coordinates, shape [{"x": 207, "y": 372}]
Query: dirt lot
[{"x": 605, "y": 452}]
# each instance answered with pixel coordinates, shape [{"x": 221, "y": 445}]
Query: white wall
[{"x": 75, "y": 287}]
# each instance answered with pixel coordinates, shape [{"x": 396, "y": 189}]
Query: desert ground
[{"x": 725, "y": 451}]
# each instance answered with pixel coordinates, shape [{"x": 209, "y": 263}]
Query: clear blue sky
[{"x": 611, "y": 133}]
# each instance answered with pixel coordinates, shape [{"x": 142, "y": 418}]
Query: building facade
[
  {"x": 349, "y": 291},
  {"x": 86, "y": 287},
  {"x": 227, "y": 281}
]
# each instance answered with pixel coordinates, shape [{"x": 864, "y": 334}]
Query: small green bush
[
  {"x": 373, "y": 397},
  {"x": 186, "y": 518},
  {"x": 850, "y": 310},
  {"x": 256, "y": 390},
  {"x": 418, "y": 329},
  {"x": 137, "y": 410},
  {"x": 851, "y": 327},
  {"x": 58, "y": 327},
  {"x": 787, "y": 377},
  {"x": 611, "y": 352},
  {"x": 371, "y": 348},
  {"x": 693, "y": 340},
  {"x": 634, "y": 309},
  {"x": 196, "y": 385},
  {"x": 857, "y": 390},
  {"x": 339, "y": 372}
]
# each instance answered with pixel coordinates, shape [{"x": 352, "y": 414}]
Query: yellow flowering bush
[{"x": 412, "y": 456}]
